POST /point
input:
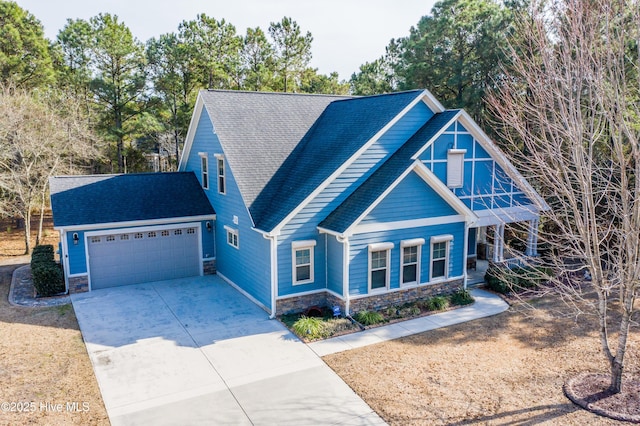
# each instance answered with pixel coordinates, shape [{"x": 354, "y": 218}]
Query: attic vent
[{"x": 455, "y": 168}]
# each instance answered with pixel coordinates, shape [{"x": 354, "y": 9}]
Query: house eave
[{"x": 134, "y": 223}]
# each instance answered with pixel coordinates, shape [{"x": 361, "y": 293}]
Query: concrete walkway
[
  {"x": 196, "y": 351},
  {"x": 486, "y": 304}
]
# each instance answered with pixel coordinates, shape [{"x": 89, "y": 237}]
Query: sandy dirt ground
[{"x": 503, "y": 370}]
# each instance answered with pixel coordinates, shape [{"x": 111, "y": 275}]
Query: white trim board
[{"x": 135, "y": 223}]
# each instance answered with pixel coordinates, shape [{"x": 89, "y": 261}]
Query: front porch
[{"x": 488, "y": 245}]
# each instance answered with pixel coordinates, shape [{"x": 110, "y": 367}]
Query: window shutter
[{"x": 455, "y": 168}]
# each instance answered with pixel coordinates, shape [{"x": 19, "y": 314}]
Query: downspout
[
  {"x": 466, "y": 253},
  {"x": 64, "y": 258},
  {"x": 345, "y": 273},
  {"x": 274, "y": 272}
]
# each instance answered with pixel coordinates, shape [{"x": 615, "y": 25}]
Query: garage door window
[{"x": 124, "y": 237}]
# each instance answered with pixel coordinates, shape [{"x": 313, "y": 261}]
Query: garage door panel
[{"x": 136, "y": 257}]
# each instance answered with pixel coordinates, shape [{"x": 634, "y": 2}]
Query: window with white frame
[
  {"x": 204, "y": 169},
  {"x": 303, "y": 261},
  {"x": 232, "y": 237},
  {"x": 455, "y": 168},
  {"x": 379, "y": 255},
  {"x": 222, "y": 185},
  {"x": 410, "y": 261},
  {"x": 440, "y": 256}
]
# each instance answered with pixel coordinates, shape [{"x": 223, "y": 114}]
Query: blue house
[{"x": 300, "y": 200}]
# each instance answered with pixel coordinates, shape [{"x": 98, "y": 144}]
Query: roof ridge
[{"x": 318, "y": 95}]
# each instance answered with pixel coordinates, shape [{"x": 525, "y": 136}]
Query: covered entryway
[{"x": 143, "y": 255}]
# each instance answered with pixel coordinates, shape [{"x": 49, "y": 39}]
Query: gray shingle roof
[
  {"x": 342, "y": 129},
  {"x": 356, "y": 203},
  {"x": 259, "y": 130},
  {"x": 86, "y": 200}
]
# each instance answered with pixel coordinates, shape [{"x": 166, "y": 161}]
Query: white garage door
[{"x": 135, "y": 257}]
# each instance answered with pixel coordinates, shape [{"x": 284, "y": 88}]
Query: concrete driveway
[{"x": 196, "y": 351}]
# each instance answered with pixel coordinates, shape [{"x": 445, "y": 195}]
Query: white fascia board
[
  {"x": 442, "y": 190},
  {"x": 419, "y": 98},
  {"x": 330, "y": 232},
  {"x": 135, "y": 223},
  {"x": 495, "y": 152},
  {"x": 507, "y": 215},
  {"x": 407, "y": 224},
  {"x": 436, "y": 136},
  {"x": 191, "y": 132},
  {"x": 431, "y": 101}
]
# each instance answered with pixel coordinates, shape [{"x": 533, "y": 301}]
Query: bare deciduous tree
[
  {"x": 40, "y": 135},
  {"x": 570, "y": 112}
]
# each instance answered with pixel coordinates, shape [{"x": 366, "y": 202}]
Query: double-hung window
[
  {"x": 440, "y": 256},
  {"x": 410, "y": 261},
  {"x": 204, "y": 169},
  {"x": 222, "y": 185},
  {"x": 303, "y": 261},
  {"x": 379, "y": 257}
]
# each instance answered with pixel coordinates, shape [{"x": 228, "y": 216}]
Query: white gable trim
[
  {"x": 425, "y": 96},
  {"x": 436, "y": 136},
  {"x": 489, "y": 146},
  {"x": 427, "y": 175},
  {"x": 431, "y": 101},
  {"x": 191, "y": 132}
]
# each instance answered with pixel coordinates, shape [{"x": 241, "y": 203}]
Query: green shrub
[
  {"x": 437, "y": 303},
  {"x": 495, "y": 278},
  {"x": 503, "y": 280},
  {"x": 369, "y": 317},
  {"x": 47, "y": 275},
  {"x": 461, "y": 297},
  {"x": 310, "y": 327}
]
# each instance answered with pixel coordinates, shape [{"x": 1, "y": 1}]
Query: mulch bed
[{"x": 590, "y": 391}]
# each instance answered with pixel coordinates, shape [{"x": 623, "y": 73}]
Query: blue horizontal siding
[
  {"x": 359, "y": 253},
  {"x": 303, "y": 225},
  {"x": 335, "y": 257},
  {"x": 249, "y": 266},
  {"x": 413, "y": 198}
]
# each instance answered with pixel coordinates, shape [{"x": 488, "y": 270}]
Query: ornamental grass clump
[
  {"x": 311, "y": 328},
  {"x": 369, "y": 317}
]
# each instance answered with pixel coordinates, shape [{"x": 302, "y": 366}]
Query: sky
[{"x": 346, "y": 33}]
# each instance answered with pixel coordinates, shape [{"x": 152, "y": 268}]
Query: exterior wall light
[
  {"x": 209, "y": 227},
  {"x": 75, "y": 239}
]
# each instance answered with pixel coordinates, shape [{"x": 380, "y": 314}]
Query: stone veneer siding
[
  {"x": 209, "y": 267},
  {"x": 398, "y": 297},
  {"x": 297, "y": 304},
  {"x": 78, "y": 284}
]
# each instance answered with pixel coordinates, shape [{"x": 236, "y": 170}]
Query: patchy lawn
[
  {"x": 44, "y": 365},
  {"x": 12, "y": 239},
  {"x": 502, "y": 370}
]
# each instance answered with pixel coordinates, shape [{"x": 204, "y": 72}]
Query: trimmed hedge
[{"x": 47, "y": 275}]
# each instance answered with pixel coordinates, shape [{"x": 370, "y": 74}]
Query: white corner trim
[
  {"x": 304, "y": 243},
  {"x": 380, "y": 246},
  {"x": 441, "y": 238},
  {"x": 412, "y": 242}
]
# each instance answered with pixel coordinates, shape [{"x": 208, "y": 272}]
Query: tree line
[{"x": 557, "y": 82}]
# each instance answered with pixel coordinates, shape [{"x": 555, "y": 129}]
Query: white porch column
[
  {"x": 530, "y": 250},
  {"x": 498, "y": 242},
  {"x": 534, "y": 237}
]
